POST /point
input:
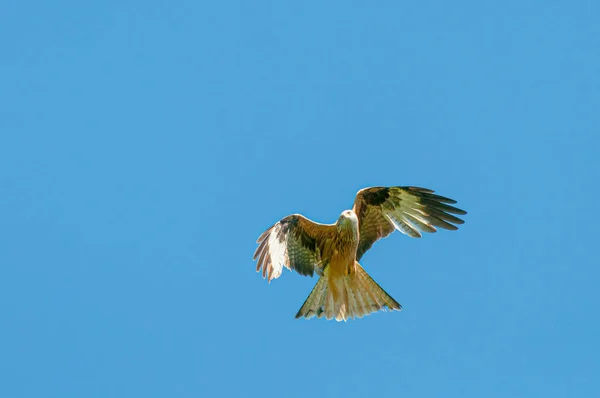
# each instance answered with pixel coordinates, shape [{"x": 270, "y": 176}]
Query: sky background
[{"x": 145, "y": 145}]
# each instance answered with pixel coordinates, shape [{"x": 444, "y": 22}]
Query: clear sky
[{"x": 145, "y": 145}]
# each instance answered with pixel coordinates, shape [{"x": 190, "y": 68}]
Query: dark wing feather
[
  {"x": 295, "y": 242},
  {"x": 411, "y": 210}
]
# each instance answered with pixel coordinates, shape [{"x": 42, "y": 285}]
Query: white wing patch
[
  {"x": 277, "y": 253},
  {"x": 407, "y": 216},
  {"x": 402, "y": 224}
]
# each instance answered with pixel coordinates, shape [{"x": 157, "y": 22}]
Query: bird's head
[{"x": 348, "y": 217}]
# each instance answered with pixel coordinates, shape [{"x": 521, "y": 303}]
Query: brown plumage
[{"x": 344, "y": 289}]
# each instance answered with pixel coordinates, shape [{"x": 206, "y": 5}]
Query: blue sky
[{"x": 145, "y": 145}]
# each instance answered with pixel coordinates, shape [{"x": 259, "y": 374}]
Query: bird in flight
[{"x": 332, "y": 251}]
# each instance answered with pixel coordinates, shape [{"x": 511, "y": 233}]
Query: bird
[{"x": 345, "y": 290}]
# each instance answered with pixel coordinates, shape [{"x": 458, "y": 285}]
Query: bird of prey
[{"x": 344, "y": 289}]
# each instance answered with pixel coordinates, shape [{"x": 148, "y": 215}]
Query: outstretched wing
[
  {"x": 411, "y": 210},
  {"x": 294, "y": 242}
]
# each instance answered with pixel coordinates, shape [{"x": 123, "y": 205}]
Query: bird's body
[
  {"x": 344, "y": 289},
  {"x": 345, "y": 242}
]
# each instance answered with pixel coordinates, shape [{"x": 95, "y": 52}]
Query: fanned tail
[{"x": 346, "y": 297}]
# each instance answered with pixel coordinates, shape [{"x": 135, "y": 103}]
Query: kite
[{"x": 332, "y": 251}]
